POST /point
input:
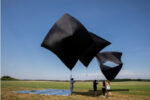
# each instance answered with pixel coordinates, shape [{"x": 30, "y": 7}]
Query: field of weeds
[{"x": 83, "y": 90}]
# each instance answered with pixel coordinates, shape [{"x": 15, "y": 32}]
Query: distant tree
[{"x": 8, "y": 78}]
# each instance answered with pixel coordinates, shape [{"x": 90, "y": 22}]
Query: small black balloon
[{"x": 110, "y": 72}]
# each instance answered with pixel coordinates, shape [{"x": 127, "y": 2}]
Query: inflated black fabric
[
  {"x": 110, "y": 72},
  {"x": 97, "y": 45},
  {"x": 68, "y": 39}
]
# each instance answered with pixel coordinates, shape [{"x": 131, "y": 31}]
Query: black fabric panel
[
  {"x": 97, "y": 45},
  {"x": 111, "y": 56},
  {"x": 110, "y": 72},
  {"x": 68, "y": 39}
]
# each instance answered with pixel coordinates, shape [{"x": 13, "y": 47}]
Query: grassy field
[{"x": 83, "y": 90}]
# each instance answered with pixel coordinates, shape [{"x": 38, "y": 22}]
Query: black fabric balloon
[
  {"x": 68, "y": 39},
  {"x": 97, "y": 45},
  {"x": 115, "y": 57}
]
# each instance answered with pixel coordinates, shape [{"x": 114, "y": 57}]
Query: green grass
[
  {"x": 132, "y": 88},
  {"x": 36, "y": 84},
  {"x": 135, "y": 88}
]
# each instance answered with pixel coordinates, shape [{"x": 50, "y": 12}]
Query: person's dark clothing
[
  {"x": 95, "y": 85},
  {"x": 103, "y": 91},
  {"x": 103, "y": 88}
]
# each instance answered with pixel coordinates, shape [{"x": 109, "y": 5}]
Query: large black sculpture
[
  {"x": 71, "y": 41},
  {"x": 115, "y": 57},
  {"x": 68, "y": 39},
  {"x": 97, "y": 45}
]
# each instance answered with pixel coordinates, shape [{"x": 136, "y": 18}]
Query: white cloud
[
  {"x": 89, "y": 76},
  {"x": 122, "y": 74},
  {"x": 133, "y": 74}
]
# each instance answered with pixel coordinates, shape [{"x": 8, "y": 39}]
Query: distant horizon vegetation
[{"x": 9, "y": 78}]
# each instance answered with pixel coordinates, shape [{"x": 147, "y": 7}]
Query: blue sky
[{"x": 25, "y": 23}]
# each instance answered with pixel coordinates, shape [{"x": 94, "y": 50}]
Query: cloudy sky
[{"x": 25, "y": 23}]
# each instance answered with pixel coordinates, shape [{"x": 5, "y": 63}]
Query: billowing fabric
[
  {"x": 110, "y": 72},
  {"x": 97, "y": 45},
  {"x": 68, "y": 39}
]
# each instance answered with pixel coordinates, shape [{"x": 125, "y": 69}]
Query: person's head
[
  {"x": 108, "y": 81},
  {"x": 71, "y": 78}
]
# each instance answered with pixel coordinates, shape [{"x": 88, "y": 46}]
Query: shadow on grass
[
  {"x": 119, "y": 89},
  {"x": 99, "y": 92},
  {"x": 89, "y": 93}
]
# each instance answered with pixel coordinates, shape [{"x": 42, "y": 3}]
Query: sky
[{"x": 25, "y": 23}]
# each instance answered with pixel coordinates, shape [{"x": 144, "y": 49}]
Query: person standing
[
  {"x": 71, "y": 85},
  {"x": 108, "y": 88},
  {"x": 103, "y": 88},
  {"x": 95, "y": 87}
]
